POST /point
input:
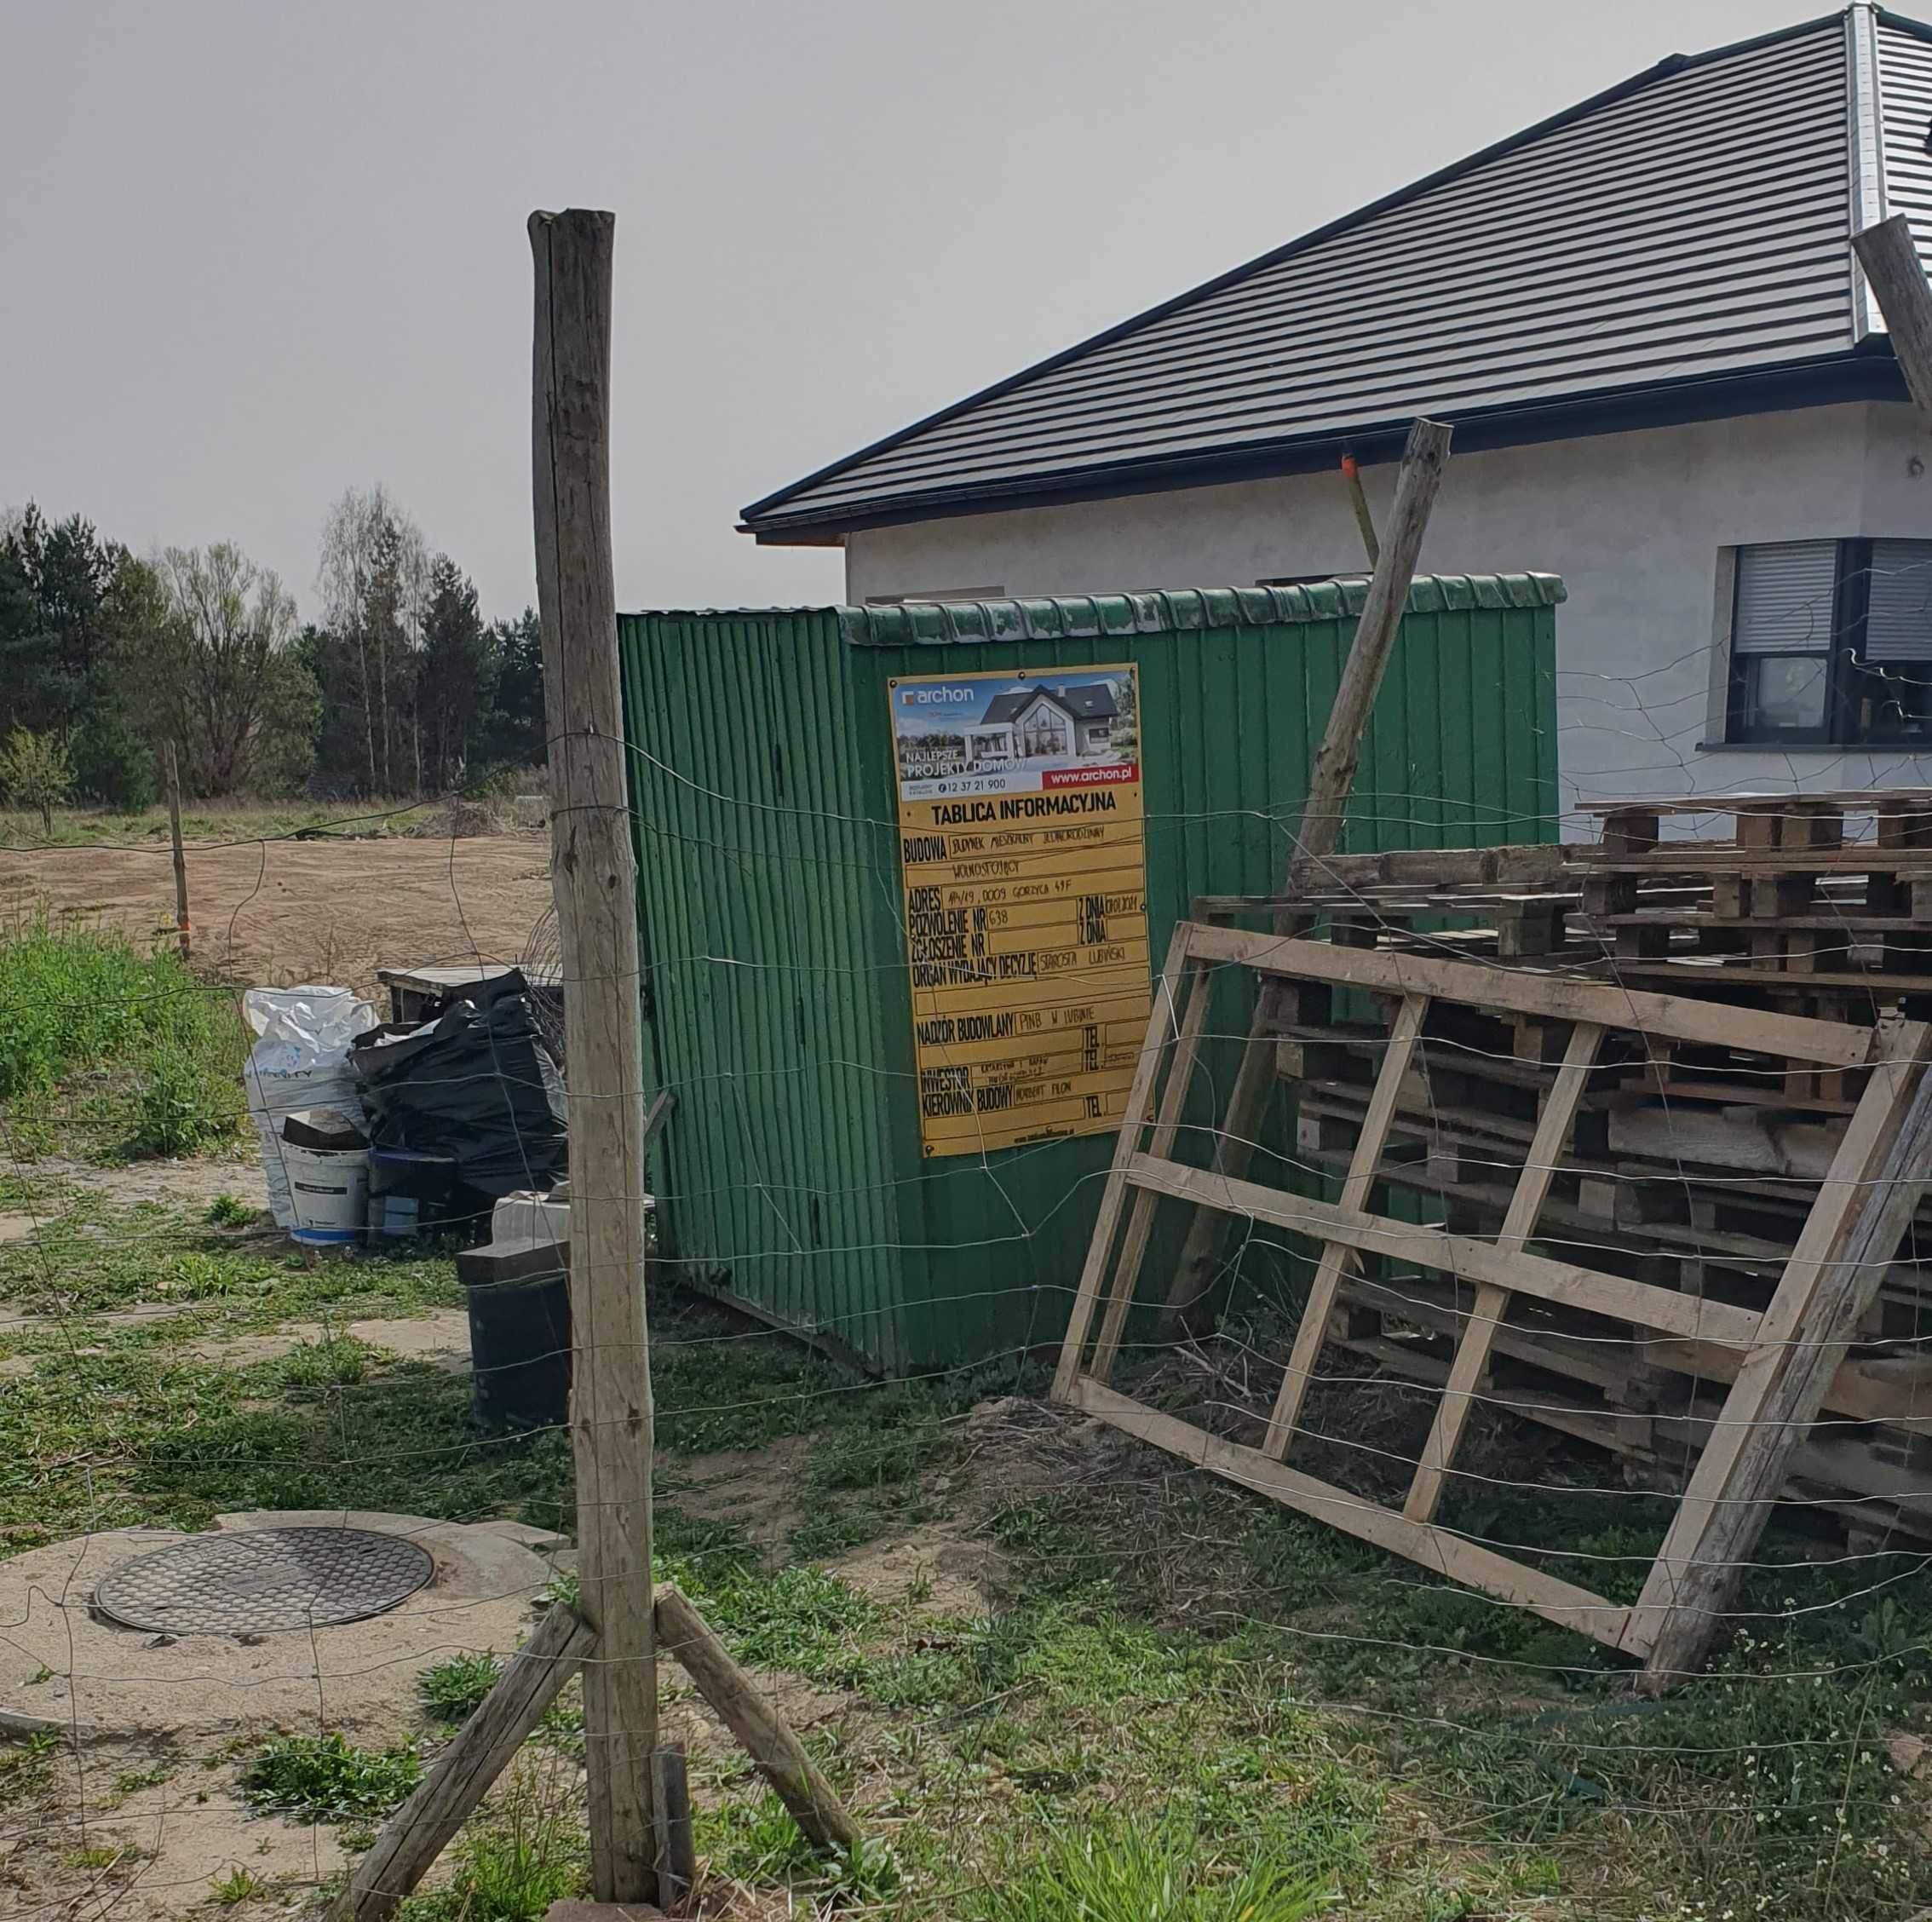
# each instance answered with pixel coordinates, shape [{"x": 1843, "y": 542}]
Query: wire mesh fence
[{"x": 1004, "y": 1630}]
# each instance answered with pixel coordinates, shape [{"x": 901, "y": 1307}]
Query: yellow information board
[{"x": 1026, "y": 880}]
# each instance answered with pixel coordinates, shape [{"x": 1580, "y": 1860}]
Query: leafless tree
[
  {"x": 374, "y": 585},
  {"x": 226, "y": 684}
]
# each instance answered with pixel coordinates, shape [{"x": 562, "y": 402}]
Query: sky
[{"x": 252, "y": 253}]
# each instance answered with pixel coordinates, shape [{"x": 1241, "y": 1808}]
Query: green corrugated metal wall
[{"x": 761, "y": 778}]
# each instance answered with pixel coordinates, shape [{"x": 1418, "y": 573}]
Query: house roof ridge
[{"x": 1670, "y": 66}]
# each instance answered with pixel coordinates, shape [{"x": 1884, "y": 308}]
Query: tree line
[{"x": 401, "y": 689}]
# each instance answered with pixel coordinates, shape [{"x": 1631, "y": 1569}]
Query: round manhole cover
[{"x": 256, "y": 1581}]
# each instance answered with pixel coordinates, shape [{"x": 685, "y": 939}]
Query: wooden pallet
[{"x": 1785, "y": 1353}]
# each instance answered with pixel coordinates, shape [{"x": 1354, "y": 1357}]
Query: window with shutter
[
  {"x": 1831, "y": 643},
  {"x": 1898, "y": 618}
]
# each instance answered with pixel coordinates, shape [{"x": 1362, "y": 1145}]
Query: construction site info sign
[{"x": 1019, "y": 828}]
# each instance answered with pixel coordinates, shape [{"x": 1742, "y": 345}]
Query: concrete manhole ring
[{"x": 255, "y": 1581}]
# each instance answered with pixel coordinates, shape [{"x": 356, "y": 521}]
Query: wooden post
[
  {"x": 1423, "y": 460},
  {"x": 171, "y": 774},
  {"x": 735, "y": 1700},
  {"x": 1891, "y": 259},
  {"x": 594, "y": 874},
  {"x": 677, "y": 1845},
  {"x": 1364, "y": 522},
  {"x": 419, "y": 1831}
]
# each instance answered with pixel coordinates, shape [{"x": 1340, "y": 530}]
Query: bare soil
[{"x": 272, "y": 913}]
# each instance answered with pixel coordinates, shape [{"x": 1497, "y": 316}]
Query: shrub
[{"x": 36, "y": 771}]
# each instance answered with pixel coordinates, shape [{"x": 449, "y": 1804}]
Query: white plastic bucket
[{"x": 329, "y": 1191}]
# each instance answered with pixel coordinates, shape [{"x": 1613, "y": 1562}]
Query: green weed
[
  {"x": 1132, "y": 1873},
  {"x": 226, "y": 1211},
  {"x": 238, "y": 1885},
  {"x": 74, "y": 999},
  {"x": 455, "y": 1689},
  {"x": 530, "y": 1852},
  {"x": 323, "y": 1779}
]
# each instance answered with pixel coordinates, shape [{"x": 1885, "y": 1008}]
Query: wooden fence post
[
  {"x": 171, "y": 773},
  {"x": 593, "y": 871}
]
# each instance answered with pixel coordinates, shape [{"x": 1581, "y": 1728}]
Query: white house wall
[{"x": 1635, "y": 523}]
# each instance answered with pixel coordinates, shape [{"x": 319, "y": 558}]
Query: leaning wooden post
[
  {"x": 1423, "y": 460},
  {"x": 594, "y": 874},
  {"x": 1865, "y": 1206},
  {"x": 1891, "y": 259},
  {"x": 775, "y": 1751},
  {"x": 171, "y": 773},
  {"x": 419, "y": 1831}
]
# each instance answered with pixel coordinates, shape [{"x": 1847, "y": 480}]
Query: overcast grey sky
[{"x": 253, "y": 253}]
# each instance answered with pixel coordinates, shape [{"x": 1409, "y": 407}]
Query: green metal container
[{"x": 790, "y": 1177}]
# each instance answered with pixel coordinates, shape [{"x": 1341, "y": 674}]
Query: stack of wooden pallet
[{"x": 1692, "y": 1165}]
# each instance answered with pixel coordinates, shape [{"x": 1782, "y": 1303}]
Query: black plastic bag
[{"x": 473, "y": 1083}]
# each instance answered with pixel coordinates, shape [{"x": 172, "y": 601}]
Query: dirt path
[{"x": 272, "y": 913}]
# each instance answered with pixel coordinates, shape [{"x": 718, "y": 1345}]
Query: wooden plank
[
  {"x": 1492, "y": 1302},
  {"x": 1691, "y": 1316},
  {"x": 1525, "y": 991},
  {"x": 734, "y": 1697},
  {"x": 1857, "y": 800},
  {"x": 593, "y": 867},
  {"x": 1318, "y": 831},
  {"x": 419, "y": 1831},
  {"x": 1198, "y": 992},
  {"x": 1890, "y": 257},
  {"x": 1133, "y": 1118},
  {"x": 1336, "y": 1255},
  {"x": 1881, "y": 1170},
  {"x": 1454, "y": 1556}
]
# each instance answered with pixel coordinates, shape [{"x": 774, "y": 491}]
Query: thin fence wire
[{"x": 1092, "y": 1531}]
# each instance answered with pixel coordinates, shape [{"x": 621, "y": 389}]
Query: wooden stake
[
  {"x": 1891, "y": 259},
  {"x": 594, "y": 873},
  {"x": 1422, "y": 462},
  {"x": 1363, "y": 520},
  {"x": 770, "y": 1743},
  {"x": 171, "y": 774},
  {"x": 419, "y": 1831},
  {"x": 677, "y": 1847}
]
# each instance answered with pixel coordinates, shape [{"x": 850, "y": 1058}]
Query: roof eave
[
  {"x": 1868, "y": 372},
  {"x": 766, "y": 509}
]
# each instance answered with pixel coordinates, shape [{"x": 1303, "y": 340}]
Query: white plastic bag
[{"x": 300, "y": 1060}]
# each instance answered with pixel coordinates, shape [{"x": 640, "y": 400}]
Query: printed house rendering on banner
[
  {"x": 1052, "y": 722},
  {"x": 1669, "y": 383}
]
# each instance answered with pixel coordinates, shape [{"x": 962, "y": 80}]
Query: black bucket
[{"x": 519, "y": 1336}]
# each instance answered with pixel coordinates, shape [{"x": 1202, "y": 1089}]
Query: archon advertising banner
[{"x": 1025, "y": 879}]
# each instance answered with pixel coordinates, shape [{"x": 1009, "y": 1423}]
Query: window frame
[{"x": 1846, "y": 677}]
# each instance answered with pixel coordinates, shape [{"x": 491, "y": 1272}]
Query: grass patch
[
  {"x": 528, "y": 1852},
  {"x": 1133, "y": 1874},
  {"x": 238, "y": 1885},
  {"x": 322, "y": 1778},
  {"x": 129, "y": 1048},
  {"x": 454, "y": 1690}
]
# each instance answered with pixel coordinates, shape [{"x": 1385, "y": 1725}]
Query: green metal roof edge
[{"x": 1183, "y": 610}]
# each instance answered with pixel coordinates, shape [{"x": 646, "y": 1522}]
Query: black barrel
[{"x": 519, "y": 1335}]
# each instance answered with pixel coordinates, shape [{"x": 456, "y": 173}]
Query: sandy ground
[{"x": 272, "y": 913}]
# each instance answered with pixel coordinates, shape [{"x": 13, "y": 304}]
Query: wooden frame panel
[{"x": 1868, "y": 1196}]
